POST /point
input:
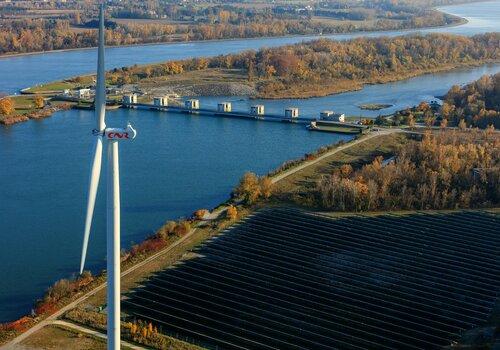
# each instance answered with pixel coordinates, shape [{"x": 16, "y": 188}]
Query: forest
[
  {"x": 444, "y": 171},
  {"x": 477, "y": 103},
  {"x": 323, "y": 67},
  {"x": 21, "y": 32}
]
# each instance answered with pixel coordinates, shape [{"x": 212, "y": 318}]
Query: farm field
[{"x": 286, "y": 278}]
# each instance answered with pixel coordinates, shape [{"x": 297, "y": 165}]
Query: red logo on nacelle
[{"x": 118, "y": 135}]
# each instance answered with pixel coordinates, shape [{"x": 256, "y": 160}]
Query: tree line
[
  {"x": 444, "y": 171},
  {"x": 476, "y": 104},
  {"x": 325, "y": 66},
  {"x": 32, "y": 35}
]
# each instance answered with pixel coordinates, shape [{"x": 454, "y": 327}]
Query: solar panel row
[{"x": 289, "y": 279}]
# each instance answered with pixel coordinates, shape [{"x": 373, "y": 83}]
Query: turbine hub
[{"x": 120, "y": 134}]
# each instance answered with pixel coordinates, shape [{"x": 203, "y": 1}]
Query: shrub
[
  {"x": 89, "y": 318},
  {"x": 60, "y": 289},
  {"x": 39, "y": 101},
  {"x": 266, "y": 187},
  {"x": 182, "y": 228},
  {"x": 251, "y": 188},
  {"x": 170, "y": 227},
  {"x": 346, "y": 170},
  {"x": 6, "y": 106},
  {"x": 248, "y": 188},
  {"x": 232, "y": 213},
  {"x": 166, "y": 230},
  {"x": 200, "y": 214},
  {"x": 151, "y": 244}
]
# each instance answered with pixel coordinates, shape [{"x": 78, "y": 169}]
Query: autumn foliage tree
[
  {"x": 141, "y": 331},
  {"x": 6, "y": 106},
  {"x": 231, "y": 212},
  {"x": 248, "y": 189},
  {"x": 251, "y": 188},
  {"x": 200, "y": 214},
  {"x": 476, "y": 104},
  {"x": 449, "y": 170},
  {"x": 266, "y": 187},
  {"x": 43, "y": 34},
  {"x": 39, "y": 101},
  {"x": 63, "y": 288},
  {"x": 325, "y": 66},
  {"x": 182, "y": 228}
]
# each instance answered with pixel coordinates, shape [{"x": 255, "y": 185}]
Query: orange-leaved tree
[
  {"x": 232, "y": 213},
  {"x": 6, "y": 106},
  {"x": 39, "y": 101}
]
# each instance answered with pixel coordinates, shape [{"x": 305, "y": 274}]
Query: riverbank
[
  {"x": 304, "y": 91},
  {"x": 35, "y": 114},
  {"x": 459, "y": 22},
  {"x": 301, "y": 173},
  {"x": 137, "y": 270},
  {"x": 313, "y": 69},
  {"x": 219, "y": 82},
  {"x": 151, "y": 257}
]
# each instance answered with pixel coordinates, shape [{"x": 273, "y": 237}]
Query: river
[
  {"x": 22, "y": 71},
  {"x": 177, "y": 163}
]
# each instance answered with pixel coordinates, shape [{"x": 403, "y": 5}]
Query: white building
[
  {"x": 331, "y": 116},
  {"x": 192, "y": 104},
  {"x": 83, "y": 93},
  {"x": 160, "y": 101},
  {"x": 224, "y": 107},
  {"x": 291, "y": 112},
  {"x": 129, "y": 99},
  {"x": 257, "y": 110}
]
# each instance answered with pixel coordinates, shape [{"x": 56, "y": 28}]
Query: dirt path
[{"x": 53, "y": 318}]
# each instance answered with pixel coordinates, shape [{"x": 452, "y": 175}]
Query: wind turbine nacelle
[{"x": 128, "y": 133}]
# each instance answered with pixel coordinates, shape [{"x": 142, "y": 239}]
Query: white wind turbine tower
[{"x": 112, "y": 136}]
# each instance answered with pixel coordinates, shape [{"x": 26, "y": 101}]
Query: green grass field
[
  {"x": 61, "y": 85},
  {"x": 23, "y": 104},
  {"x": 297, "y": 187}
]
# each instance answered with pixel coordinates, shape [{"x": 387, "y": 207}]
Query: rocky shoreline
[
  {"x": 206, "y": 89},
  {"x": 39, "y": 114}
]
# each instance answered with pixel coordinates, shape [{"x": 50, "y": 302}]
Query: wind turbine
[{"x": 112, "y": 136}]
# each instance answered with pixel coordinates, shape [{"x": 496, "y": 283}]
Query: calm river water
[{"x": 177, "y": 163}]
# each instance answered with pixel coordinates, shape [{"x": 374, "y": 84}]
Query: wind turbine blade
[
  {"x": 100, "y": 91},
  {"x": 95, "y": 173}
]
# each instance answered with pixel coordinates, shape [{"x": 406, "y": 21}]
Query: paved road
[
  {"x": 338, "y": 149},
  {"x": 53, "y": 318},
  {"x": 94, "y": 333}
]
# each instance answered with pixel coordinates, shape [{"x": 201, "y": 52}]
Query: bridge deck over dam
[{"x": 214, "y": 112}]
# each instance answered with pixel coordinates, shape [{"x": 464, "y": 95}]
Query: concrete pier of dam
[{"x": 212, "y": 112}]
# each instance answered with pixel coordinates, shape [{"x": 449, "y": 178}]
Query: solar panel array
[{"x": 289, "y": 279}]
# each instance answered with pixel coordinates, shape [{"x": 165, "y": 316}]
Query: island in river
[
  {"x": 374, "y": 106},
  {"x": 312, "y": 69}
]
